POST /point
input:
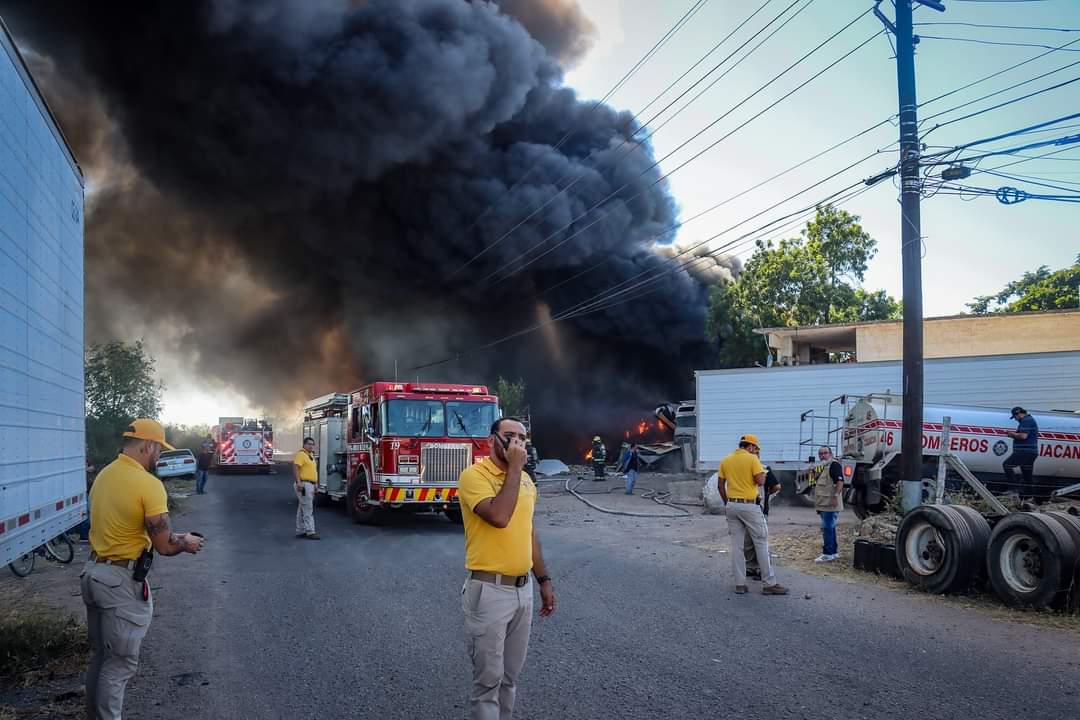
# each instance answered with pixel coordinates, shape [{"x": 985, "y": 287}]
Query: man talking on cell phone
[{"x": 501, "y": 547}]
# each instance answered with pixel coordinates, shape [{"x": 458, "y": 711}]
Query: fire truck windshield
[
  {"x": 415, "y": 418},
  {"x": 470, "y": 419},
  {"x": 431, "y": 418}
]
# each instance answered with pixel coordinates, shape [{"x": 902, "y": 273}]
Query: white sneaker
[{"x": 825, "y": 558}]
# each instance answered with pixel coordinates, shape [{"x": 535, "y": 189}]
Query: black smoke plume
[{"x": 281, "y": 193}]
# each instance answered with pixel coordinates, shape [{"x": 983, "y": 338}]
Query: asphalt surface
[{"x": 367, "y": 623}]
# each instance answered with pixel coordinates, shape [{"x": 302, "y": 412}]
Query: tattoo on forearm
[{"x": 160, "y": 524}]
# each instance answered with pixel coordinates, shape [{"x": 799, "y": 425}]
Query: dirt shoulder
[{"x": 795, "y": 538}]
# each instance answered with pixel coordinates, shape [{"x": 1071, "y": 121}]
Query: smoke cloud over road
[{"x": 282, "y": 195}]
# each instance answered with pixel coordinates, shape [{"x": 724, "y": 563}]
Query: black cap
[{"x": 1015, "y": 410}]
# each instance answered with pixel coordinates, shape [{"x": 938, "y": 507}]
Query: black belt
[
  {"x": 129, "y": 564},
  {"x": 755, "y": 501},
  {"x": 497, "y": 579}
]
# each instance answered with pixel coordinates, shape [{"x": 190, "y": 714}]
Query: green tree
[
  {"x": 808, "y": 280},
  {"x": 120, "y": 386},
  {"x": 511, "y": 397},
  {"x": 1039, "y": 289}
]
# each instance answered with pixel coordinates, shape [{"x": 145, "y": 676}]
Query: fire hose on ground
[{"x": 657, "y": 496}]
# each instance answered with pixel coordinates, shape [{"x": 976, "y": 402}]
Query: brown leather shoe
[
  {"x": 741, "y": 589},
  {"x": 776, "y": 589}
]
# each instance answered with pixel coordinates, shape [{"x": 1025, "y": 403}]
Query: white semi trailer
[
  {"x": 794, "y": 409},
  {"x": 42, "y": 415}
]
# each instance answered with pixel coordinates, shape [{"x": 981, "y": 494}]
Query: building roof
[{"x": 831, "y": 331}]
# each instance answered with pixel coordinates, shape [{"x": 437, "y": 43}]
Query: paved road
[{"x": 366, "y": 623}]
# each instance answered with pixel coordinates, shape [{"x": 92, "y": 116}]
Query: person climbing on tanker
[
  {"x": 827, "y": 479},
  {"x": 1025, "y": 452},
  {"x": 599, "y": 458}
]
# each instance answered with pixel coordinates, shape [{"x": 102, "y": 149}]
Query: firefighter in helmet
[{"x": 599, "y": 458}]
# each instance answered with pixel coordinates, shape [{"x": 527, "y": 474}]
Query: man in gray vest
[{"x": 827, "y": 479}]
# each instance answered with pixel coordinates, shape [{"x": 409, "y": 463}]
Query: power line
[
  {"x": 1003, "y": 90},
  {"x": 696, "y": 135},
  {"x": 1000, "y": 27},
  {"x": 1002, "y": 71},
  {"x": 573, "y": 313},
  {"x": 1036, "y": 93},
  {"x": 629, "y": 139},
  {"x": 996, "y": 42},
  {"x": 694, "y": 8},
  {"x": 981, "y": 80}
]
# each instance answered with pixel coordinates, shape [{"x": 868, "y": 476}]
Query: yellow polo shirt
[
  {"x": 122, "y": 497},
  {"x": 739, "y": 469},
  {"x": 306, "y": 463},
  {"x": 507, "y": 551}
]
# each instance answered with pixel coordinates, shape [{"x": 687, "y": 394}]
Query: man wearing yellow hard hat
[
  {"x": 741, "y": 475},
  {"x": 129, "y": 517}
]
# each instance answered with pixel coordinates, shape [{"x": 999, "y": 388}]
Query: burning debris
[{"x": 325, "y": 170}]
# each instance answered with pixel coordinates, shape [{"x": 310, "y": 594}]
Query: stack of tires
[{"x": 1030, "y": 559}]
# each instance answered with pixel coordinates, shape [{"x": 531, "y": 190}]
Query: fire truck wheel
[
  {"x": 805, "y": 499},
  {"x": 454, "y": 515},
  {"x": 360, "y": 510},
  {"x": 1032, "y": 560},
  {"x": 937, "y": 550}
]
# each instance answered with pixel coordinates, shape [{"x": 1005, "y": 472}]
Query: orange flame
[
  {"x": 642, "y": 427},
  {"x": 588, "y": 455}
]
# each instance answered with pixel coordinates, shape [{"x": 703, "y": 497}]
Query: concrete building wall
[{"x": 975, "y": 335}]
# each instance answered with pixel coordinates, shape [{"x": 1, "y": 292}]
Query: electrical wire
[
  {"x": 999, "y": 27},
  {"x": 629, "y": 139},
  {"x": 694, "y": 8},
  {"x": 696, "y": 155},
  {"x": 996, "y": 42}
]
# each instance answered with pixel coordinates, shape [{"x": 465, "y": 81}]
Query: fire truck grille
[{"x": 444, "y": 462}]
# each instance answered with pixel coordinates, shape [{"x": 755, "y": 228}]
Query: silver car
[{"x": 176, "y": 463}]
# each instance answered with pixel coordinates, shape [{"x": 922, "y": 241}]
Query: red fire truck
[
  {"x": 398, "y": 446},
  {"x": 243, "y": 444}
]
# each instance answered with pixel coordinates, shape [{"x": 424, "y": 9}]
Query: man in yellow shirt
[
  {"x": 305, "y": 476},
  {"x": 741, "y": 474},
  {"x": 128, "y": 516},
  {"x": 501, "y": 547}
]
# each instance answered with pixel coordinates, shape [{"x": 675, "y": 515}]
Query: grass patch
[{"x": 34, "y": 640}]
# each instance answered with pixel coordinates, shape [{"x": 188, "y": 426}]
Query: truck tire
[
  {"x": 360, "y": 510},
  {"x": 1071, "y": 523},
  {"x": 1032, "y": 560},
  {"x": 454, "y": 515},
  {"x": 805, "y": 499},
  {"x": 938, "y": 550}
]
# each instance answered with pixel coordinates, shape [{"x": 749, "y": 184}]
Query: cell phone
[
  {"x": 142, "y": 565},
  {"x": 303, "y": 490},
  {"x": 505, "y": 442},
  {"x": 196, "y": 534}
]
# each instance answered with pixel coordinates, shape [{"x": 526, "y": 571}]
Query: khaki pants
[
  {"x": 498, "y": 619},
  {"x": 117, "y": 619},
  {"x": 747, "y": 519},
  {"x": 305, "y": 508}
]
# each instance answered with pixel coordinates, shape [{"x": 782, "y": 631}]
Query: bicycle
[{"x": 60, "y": 549}]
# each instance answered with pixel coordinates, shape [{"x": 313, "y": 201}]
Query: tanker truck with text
[{"x": 866, "y": 429}]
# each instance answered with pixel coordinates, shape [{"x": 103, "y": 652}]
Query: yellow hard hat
[
  {"x": 752, "y": 439},
  {"x": 147, "y": 429}
]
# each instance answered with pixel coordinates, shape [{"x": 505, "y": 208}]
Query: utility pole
[{"x": 910, "y": 252}]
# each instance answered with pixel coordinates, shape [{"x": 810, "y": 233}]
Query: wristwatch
[{"x": 541, "y": 579}]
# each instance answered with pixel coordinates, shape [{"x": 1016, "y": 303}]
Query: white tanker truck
[
  {"x": 1030, "y": 559},
  {"x": 866, "y": 429}
]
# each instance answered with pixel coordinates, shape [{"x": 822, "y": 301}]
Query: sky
[{"x": 971, "y": 246}]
